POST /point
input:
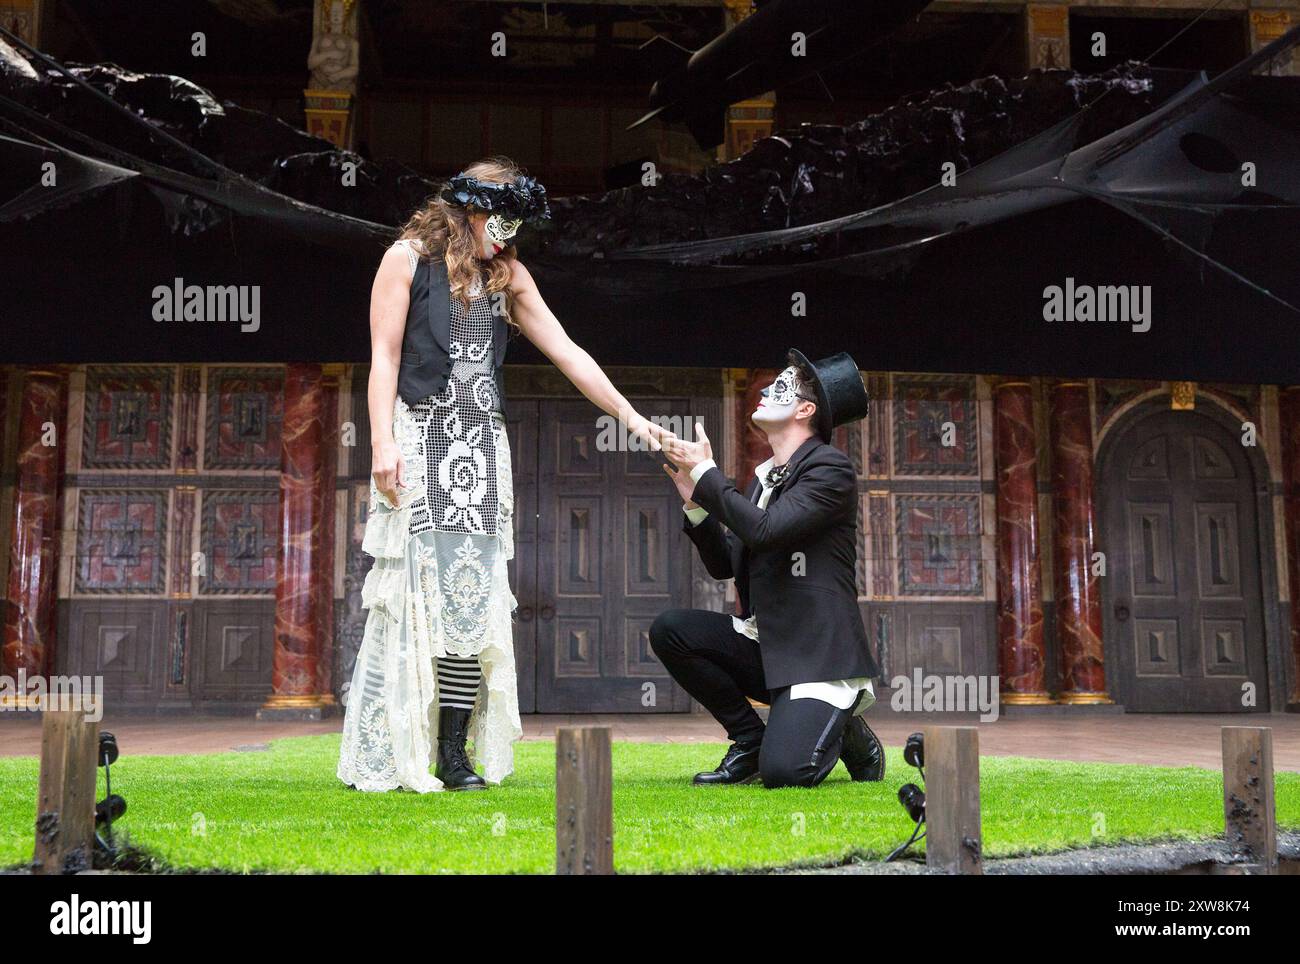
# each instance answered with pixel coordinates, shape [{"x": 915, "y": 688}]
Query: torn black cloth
[{"x": 942, "y": 279}]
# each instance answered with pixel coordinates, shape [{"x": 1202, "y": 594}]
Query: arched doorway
[{"x": 1184, "y": 611}]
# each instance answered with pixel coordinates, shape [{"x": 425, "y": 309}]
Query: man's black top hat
[{"x": 841, "y": 396}]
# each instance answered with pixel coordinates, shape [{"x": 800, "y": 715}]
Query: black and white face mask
[
  {"x": 501, "y": 229},
  {"x": 784, "y": 391},
  {"x": 780, "y": 399}
]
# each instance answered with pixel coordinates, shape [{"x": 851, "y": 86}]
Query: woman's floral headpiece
[{"x": 525, "y": 199}]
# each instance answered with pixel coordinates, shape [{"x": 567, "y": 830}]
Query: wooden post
[
  {"x": 65, "y": 808},
  {"x": 1248, "y": 817},
  {"x": 952, "y": 800},
  {"x": 584, "y": 801}
]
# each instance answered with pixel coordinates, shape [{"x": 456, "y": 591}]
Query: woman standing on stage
[{"x": 436, "y": 664}]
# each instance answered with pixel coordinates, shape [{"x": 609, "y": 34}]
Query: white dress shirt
[{"x": 839, "y": 693}]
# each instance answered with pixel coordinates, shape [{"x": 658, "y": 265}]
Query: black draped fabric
[{"x": 934, "y": 279}]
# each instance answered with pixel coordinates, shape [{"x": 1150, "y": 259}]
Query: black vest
[{"x": 426, "y": 358}]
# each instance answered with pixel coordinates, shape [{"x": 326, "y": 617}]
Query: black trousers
[{"x": 722, "y": 670}]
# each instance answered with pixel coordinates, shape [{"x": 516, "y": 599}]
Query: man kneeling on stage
[{"x": 790, "y": 545}]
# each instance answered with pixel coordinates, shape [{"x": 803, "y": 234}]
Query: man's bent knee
[
  {"x": 774, "y": 778},
  {"x": 777, "y": 773},
  {"x": 664, "y": 630}
]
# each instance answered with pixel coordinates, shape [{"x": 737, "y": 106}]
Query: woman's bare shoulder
[
  {"x": 396, "y": 253},
  {"x": 520, "y": 277},
  {"x": 411, "y": 244}
]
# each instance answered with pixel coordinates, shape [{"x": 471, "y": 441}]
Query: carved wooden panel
[
  {"x": 234, "y": 647},
  {"x": 120, "y": 641},
  {"x": 1223, "y": 646},
  {"x": 1218, "y": 548},
  {"x": 1151, "y": 461},
  {"x": 951, "y": 638},
  {"x": 580, "y": 522},
  {"x": 1155, "y": 643},
  {"x": 1151, "y": 549}
]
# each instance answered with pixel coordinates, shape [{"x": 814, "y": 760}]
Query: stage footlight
[
  {"x": 113, "y": 806},
  {"x": 914, "y": 752},
  {"x": 910, "y": 795},
  {"x": 912, "y": 798}
]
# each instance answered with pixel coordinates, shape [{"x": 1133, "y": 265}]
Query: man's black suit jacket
[{"x": 809, "y": 626}]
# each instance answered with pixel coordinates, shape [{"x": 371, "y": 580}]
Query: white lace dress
[{"x": 439, "y": 585}]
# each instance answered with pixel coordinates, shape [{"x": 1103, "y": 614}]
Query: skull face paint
[
  {"x": 497, "y": 232},
  {"x": 779, "y": 399}
]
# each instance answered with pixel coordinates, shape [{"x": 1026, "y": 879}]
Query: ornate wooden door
[
  {"x": 1185, "y": 605},
  {"x": 609, "y": 558}
]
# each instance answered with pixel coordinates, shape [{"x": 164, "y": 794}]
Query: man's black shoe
[
  {"x": 862, "y": 753},
  {"x": 739, "y": 765}
]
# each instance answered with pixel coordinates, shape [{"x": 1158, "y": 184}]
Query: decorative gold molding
[
  {"x": 1182, "y": 396},
  {"x": 1084, "y": 699},
  {"x": 316, "y": 700},
  {"x": 1050, "y": 18},
  {"x": 1047, "y": 31},
  {"x": 20, "y": 702},
  {"x": 1269, "y": 24},
  {"x": 1026, "y": 699},
  {"x": 329, "y": 115},
  {"x": 347, "y": 7}
]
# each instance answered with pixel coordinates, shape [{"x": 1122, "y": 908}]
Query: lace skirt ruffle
[{"x": 391, "y": 722}]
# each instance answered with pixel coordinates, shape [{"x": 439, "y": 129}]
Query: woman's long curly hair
[{"x": 442, "y": 228}]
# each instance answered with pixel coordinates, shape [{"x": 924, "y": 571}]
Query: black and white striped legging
[{"x": 458, "y": 680}]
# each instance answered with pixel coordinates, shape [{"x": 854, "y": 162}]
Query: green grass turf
[{"x": 284, "y": 810}]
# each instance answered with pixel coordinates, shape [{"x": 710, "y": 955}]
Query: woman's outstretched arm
[
  {"x": 544, "y": 330},
  {"x": 389, "y": 298}
]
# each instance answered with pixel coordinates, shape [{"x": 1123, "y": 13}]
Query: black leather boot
[
  {"x": 453, "y": 767},
  {"x": 739, "y": 765},
  {"x": 862, "y": 752}
]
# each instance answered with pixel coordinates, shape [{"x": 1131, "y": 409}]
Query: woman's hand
[
  {"x": 388, "y": 469},
  {"x": 653, "y": 435}
]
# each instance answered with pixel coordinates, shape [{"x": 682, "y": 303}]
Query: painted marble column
[
  {"x": 1078, "y": 595},
  {"x": 298, "y": 633},
  {"x": 1289, "y": 419},
  {"x": 1022, "y": 662},
  {"x": 323, "y": 579},
  {"x": 33, "y": 540}
]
